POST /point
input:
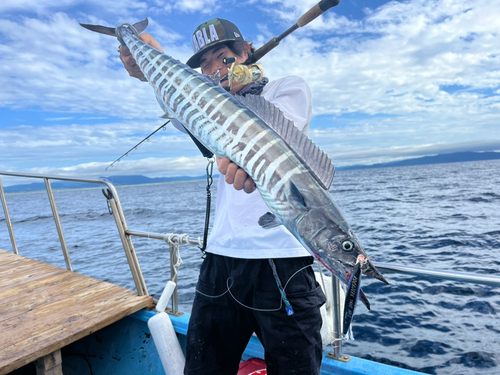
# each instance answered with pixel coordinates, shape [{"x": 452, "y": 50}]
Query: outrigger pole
[{"x": 309, "y": 16}]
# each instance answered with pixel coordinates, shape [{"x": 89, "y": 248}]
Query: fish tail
[{"x": 137, "y": 28}]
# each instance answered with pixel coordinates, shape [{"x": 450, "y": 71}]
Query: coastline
[{"x": 100, "y": 187}]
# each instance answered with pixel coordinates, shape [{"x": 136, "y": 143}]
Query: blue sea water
[{"x": 442, "y": 216}]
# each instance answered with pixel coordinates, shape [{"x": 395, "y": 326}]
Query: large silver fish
[{"x": 293, "y": 176}]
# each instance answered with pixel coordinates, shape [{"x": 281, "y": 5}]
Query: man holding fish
[{"x": 252, "y": 279}]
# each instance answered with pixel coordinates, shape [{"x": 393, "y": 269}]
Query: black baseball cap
[{"x": 209, "y": 34}]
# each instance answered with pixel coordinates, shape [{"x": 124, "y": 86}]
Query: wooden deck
[{"x": 44, "y": 308}]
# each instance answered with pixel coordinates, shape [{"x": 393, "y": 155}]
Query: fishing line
[
  {"x": 254, "y": 308},
  {"x": 250, "y": 307},
  {"x": 147, "y": 139}
]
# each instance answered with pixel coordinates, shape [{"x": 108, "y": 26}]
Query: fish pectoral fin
[
  {"x": 268, "y": 221},
  {"x": 167, "y": 115}
]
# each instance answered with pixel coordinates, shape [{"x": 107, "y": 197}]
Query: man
[{"x": 237, "y": 292}]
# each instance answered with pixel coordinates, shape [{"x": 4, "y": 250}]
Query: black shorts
[{"x": 237, "y": 297}]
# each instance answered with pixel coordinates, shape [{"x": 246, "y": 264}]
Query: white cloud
[
  {"x": 372, "y": 155},
  {"x": 72, "y": 71},
  {"x": 400, "y": 67},
  {"x": 150, "y": 167},
  {"x": 58, "y": 146},
  {"x": 58, "y": 118},
  {"x": 191, "y": 6},
  {"x": 172, "y": 7},
  {"x": 289, "y": 12},
  {"x": 125, "y": 8},
  {"x": 392, "y": 66}
]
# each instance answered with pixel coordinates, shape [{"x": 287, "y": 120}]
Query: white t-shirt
[{"x": 236, "y": 232}]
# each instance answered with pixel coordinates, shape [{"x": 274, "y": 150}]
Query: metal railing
[
  {"x": 336, "y": 305},
  {"x": 117, "y": 212},
  {"x": 126, "y": 233}
]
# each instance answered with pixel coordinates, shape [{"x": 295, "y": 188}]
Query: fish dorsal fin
[{"x": 318, "y": 163}]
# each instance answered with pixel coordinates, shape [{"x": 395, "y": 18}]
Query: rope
[{"x": 174, "y": 241}]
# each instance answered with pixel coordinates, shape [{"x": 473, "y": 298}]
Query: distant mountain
[
  {"x": 140, "y": 180},
  {"x": 437, "y": 159},
  {"x": 116, "y": 180}
]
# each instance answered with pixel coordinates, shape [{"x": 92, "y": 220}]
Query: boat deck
[{"x": 44, "y": 308}]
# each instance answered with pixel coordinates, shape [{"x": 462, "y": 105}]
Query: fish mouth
[{"x": 368, "y": 269}]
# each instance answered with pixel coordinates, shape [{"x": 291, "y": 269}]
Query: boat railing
[
  {"x": 175, "y": 240},
  {"x": 116, "y": 209}
]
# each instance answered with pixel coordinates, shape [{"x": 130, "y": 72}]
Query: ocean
[{"x": 440, "y": 216}]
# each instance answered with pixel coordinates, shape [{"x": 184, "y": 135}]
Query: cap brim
[{"x": 194, "y": 61}]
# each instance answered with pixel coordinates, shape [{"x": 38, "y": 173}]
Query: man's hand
[
  {"x": 235, "y": 175},
  {"x": 128, "y": 60}
]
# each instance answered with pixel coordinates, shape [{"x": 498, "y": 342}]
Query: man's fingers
[
  {"x": 231, "y": 173},
  {"x": 134, "y": 70},
  {"x": 239, "y": 179},
  {"x": 249, "y": 185},
  {"x": 235, "y": 175},
  {"x": 130, "y": 64},
  {"x": 222, "y": 164},
  {"x": 129, "y": 61},
  {"x": 124, "y": 51}
]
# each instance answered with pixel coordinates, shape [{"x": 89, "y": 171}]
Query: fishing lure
[{"x": 352, "y": 294}]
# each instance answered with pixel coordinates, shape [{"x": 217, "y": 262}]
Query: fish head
[{"x": 334, "y": 244}]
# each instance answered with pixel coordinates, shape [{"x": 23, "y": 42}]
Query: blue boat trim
[{"x": 255, "y": 350}]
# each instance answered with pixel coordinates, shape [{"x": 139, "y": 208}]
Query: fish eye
[{"x": 347, "y": 245}]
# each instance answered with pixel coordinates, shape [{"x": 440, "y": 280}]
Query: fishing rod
[
  {"x": 254, "y": 73},
  {"x": 309, "y": 16},
  {"x": 249, "y": 71},
  {"x": 135, "y": 147}
]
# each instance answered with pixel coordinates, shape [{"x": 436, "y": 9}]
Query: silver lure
[{"x": 229, "y": 129}]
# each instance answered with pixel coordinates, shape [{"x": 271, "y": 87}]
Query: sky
[{"x": 390, "y": 80}]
